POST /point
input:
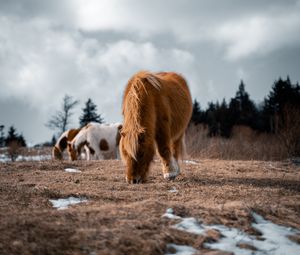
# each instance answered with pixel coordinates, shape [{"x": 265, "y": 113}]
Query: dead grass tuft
[{"x": 245, "y": 144}]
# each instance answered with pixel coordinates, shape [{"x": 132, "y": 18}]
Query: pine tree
[
  {"x": 89, "y": 114},
  {"x": 212, "y": 122},
  {"x": 21, "y": 140},
  {"x": 12, "y": 136},
  {"x": 53, "y": 140},
  {"x": 245, "y": 108},
  {"x": 283, "y": 94},
  {"x": 197, "y": 114},
  {"x": 2, "y": 138}
]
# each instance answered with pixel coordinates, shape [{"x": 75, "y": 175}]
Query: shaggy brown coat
[{"x": 156, "y": 109}]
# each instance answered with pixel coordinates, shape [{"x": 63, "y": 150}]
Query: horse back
[{"x": 174, "y": 103}]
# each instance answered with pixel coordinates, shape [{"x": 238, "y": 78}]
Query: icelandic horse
[
  {"x": 156, "y": 109},
  {"x": 101, "y": 141},
  {"x": 62, "y": 142}
]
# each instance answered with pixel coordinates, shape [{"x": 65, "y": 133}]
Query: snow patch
[
  {"x": 192, "y": 162},
  {"x": 181, "y": 249},
  {"x": 64, "y": 203},
  {"x": 190, "y": 225},
  {"x": 274, "y": 239},
  {"x": 173, "y": 190},
  {"x": 170, "y": 214},
  {"x": 4, "y": 158},
  {"x": 72, "y": 170}
]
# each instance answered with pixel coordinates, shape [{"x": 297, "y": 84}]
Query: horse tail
[{"x": 135, "y": 90}]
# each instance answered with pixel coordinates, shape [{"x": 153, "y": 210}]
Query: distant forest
[{"x": 280, "y": 110}]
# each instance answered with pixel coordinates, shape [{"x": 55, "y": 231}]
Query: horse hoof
[
  {"x": 134, "y": 181},
  {"x": 170, "y": 176}
]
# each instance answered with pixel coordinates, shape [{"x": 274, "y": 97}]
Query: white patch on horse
[{"x": 174, "y": 169}]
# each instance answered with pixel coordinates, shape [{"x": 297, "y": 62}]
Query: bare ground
[{"x": 126, "y": 219}]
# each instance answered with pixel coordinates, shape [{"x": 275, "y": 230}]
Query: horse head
[
  {"x": 138, "y": 164},
  {"x": 56, "y": 153}
]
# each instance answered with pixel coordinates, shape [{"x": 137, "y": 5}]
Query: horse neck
[{"x": 80, "y": 138}]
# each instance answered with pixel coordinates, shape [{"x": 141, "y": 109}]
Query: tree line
[
  {"x": 278, "y": 114},
  {"x": 268, "y": 116}
]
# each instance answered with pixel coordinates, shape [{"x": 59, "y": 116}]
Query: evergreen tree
[
  {"x": 53, "y": 140},
  {"x": 224, "y": 120},
  {"x": 2, "y": 138},
  {"x": 283, "y": 94},
  {"x": 21, "y": 140},
  {"x": 213, "y": 127},
  {"x": 246, "y": 108},
  {"x": 89, "y": 114},
  {"x": 12, "y": 136},
  {"x": 198, "y": 116}
]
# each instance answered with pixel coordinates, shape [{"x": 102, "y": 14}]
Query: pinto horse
[
  {"x": 157, "y": 109},
  {"x": 62, "y": 142},
  {"x": 102, "y": 141}
]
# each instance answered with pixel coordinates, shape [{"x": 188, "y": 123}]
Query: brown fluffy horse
[
  {"x": 62, "y": 142},
  {"x": 156, "y": 109}
]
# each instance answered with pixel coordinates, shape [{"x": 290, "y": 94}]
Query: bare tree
[{"x": 61, "y": 119}]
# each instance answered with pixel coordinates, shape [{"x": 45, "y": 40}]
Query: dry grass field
[{"x": 119, "y": 218}]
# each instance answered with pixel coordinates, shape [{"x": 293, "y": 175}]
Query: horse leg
[
  {"x": 87, "y": 153},
  {"x": 170, "y": 166},
  {"x": 179, "y": 147},
  {"x": 98, "y": 154}
]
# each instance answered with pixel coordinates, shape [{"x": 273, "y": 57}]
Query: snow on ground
[
  {"x": 64, "y": 203},
  {"x": 181, "y": 249},
  {"x": 192, "y": 162},
  {"x": 170, "y": 214},
  {"x": 72, "y": 170},
  {"x": 173, "y": 190},
  {"x": 4, "y": 158},
  {"x": 274, "y": 239}
]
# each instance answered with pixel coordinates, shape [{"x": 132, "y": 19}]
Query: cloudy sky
[{"x": 90, "y": 48}]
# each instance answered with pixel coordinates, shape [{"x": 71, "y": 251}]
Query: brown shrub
[
  {"x": 14, "y": 149},
  {"x": 289, "y": 131}
]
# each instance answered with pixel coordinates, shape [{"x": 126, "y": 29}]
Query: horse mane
[{"x": 132, "y": 127}]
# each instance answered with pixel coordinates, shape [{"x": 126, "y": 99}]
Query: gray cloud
[{"x": 90, "y": 49}]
